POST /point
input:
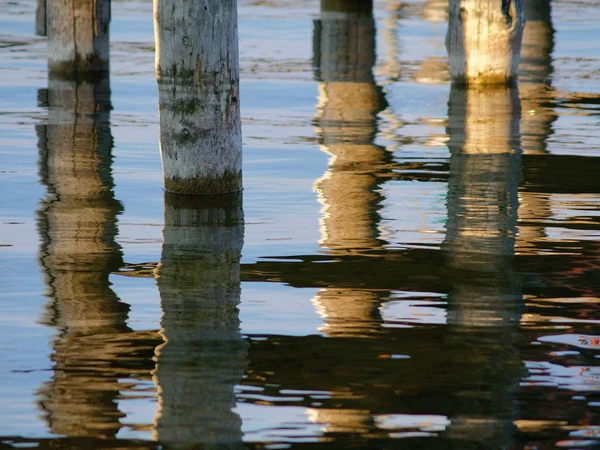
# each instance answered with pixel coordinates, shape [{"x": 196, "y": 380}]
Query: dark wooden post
[
  {"x": 40, "y": 18},
  {"x": 197, "y": 70},
  {"x": 203, "y": 356}
]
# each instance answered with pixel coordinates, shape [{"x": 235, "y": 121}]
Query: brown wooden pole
[
  {"x": 78, "y": 36},
  {"x": 484, "y": 40}
]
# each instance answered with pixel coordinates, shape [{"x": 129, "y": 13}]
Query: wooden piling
[
  {"x": 484, "y": 40},
  {"x": 40, "y": 18},
  {"x": 78, "y": 36},
  {"x": 197, "y": 70}
]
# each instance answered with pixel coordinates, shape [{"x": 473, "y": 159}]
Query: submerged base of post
[{"x": 228, "y": 183}]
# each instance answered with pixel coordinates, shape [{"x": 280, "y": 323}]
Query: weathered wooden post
[
  {"x": 78, "y": 35},
  {"x": 485, "y": 304},
  {"x": 40, "y": 18},
  {"x": 197, "y": 70},
  {"x": 77, "y": 222},
  {"x": 484, "y": 40},
  {"x": 203, "y": 355}
]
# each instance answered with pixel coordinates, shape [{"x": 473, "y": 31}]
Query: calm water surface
[{"x": 412, "y": 265}]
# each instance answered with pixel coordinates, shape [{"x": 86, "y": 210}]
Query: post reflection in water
[
  {"x": 485, "y": 304},
  {"x": 349, "y": 101},
  {"x": 203, "y": 355},
  {"x": 77, "y": 224},
  {"x": 538, "y": 114}
]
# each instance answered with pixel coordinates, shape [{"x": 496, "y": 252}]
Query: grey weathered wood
[
  {"x": 197, "y": 70},
  {"x": 78, "y": 35},
  {"x": 484, "y": 40},
  {"x": 40, "y": 18},
  {"x": 204, "y": 355}
]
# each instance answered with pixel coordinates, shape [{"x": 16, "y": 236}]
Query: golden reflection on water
[
  {"x": 346, "y": 125},
  {"x": 77, "y": 224},
  {"x": 457, "y": 379}
]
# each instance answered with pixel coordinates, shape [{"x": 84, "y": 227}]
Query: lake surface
[{"x": 412, "y": 265}]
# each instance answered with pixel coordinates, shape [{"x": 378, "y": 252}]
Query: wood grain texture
[
  {"x": 484, "y": 40},
  {"x": 78, "y": 35},
  {"x": 197, "y": 68}
]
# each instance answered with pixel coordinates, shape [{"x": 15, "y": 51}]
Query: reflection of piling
[
  {"x": 203, "y": 355},
  {"x": 484, "y": 307},
  {"x": 535, "y": 72},
  {"x": 77, "y": 223},
  {"x": 197, "y": 69},
  {"x": 483, "y": 129},
  {"x": 349, "y": 100},
  {"x": 538, "y": 112},
  {"x": 78, "y": 35}
]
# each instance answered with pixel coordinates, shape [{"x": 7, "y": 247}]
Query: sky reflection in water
[{"x": 410, "y": 261}]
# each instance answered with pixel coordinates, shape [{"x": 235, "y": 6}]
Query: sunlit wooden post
[
  {"x": 485, "y": 304},
  {"x": 197, "y": 70},
  {"x": 78, "y": 32},
  {"x": 203, "y": 355},
  {"x": 484, "y": 40}
]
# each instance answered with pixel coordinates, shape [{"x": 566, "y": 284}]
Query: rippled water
[{"x": 412, "y": 265}]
